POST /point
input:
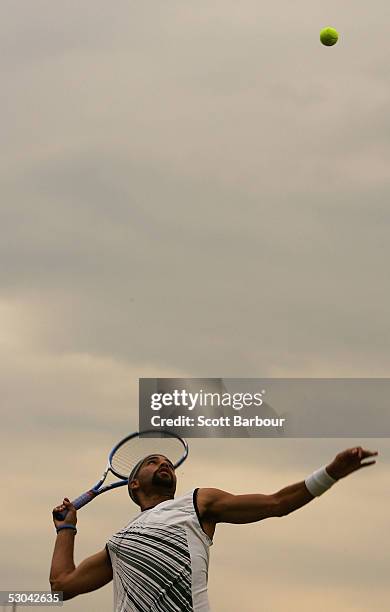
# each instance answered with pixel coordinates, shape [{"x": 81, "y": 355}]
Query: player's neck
[{"x": 153, "y": 500}]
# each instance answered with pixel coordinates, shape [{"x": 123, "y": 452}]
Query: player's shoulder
[{"x": 206, "y": 498}]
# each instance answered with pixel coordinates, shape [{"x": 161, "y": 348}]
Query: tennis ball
[{"x": 329, "y": 36}]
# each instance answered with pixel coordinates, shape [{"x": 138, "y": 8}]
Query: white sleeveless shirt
[{"x": 160, "y": 560}]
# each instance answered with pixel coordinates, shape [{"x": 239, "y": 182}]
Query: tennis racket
[{"x": 124, "y": 456}]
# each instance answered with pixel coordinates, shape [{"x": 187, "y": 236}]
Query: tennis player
[{"x": 159, "y": 561}]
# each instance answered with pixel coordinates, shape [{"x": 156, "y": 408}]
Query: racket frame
[{"x": 97, "y": 489}]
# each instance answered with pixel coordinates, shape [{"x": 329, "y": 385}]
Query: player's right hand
[{"x": 71, "y": 514}]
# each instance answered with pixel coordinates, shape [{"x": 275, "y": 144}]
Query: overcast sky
[{"x": 193, "y": 189}]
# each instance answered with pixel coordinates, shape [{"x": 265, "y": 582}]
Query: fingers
[
  {"x": 363, "y": 453},
  {"x": 61, "y": 506},
  {"x": 362, "y": 465},
  {"x": 367, "y": 453},
  {"x": 66, "y": 505}
]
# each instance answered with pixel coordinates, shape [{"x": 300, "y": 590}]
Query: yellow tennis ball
[{"x": 329, "y": 36}]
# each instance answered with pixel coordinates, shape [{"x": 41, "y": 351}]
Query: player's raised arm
[
  {"x": 221, "y": 507},
  {"x": 92, "y": 573}
]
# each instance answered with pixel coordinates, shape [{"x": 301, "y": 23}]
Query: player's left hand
[{"x": 349, "y": 461}]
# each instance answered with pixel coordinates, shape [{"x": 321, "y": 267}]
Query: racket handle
[{"x": 79, "y": 502}]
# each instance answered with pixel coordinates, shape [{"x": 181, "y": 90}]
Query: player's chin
[{"x": 163, "y": 478}]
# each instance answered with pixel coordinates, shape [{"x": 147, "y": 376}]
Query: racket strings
[{"x": 135, "y": 449}]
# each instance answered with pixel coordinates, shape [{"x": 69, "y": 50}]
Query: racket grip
[{"x": 79, "y": 502}]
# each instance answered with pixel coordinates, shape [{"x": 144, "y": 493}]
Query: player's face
[{"x": 158, "y": 471}]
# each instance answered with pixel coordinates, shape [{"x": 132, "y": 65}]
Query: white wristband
[{"x": 319, "y": 482}]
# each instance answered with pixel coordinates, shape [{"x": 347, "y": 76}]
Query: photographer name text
[{"x": 223, "y": 421}]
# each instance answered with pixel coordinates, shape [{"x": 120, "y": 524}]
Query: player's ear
[{"x": 133, "y": 485}]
